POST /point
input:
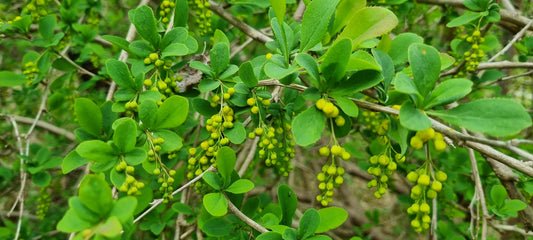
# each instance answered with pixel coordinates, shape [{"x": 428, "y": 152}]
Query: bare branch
[
  {"x": 157, "y": 202},
  {"x": 44, "y": 125},
  {"x": 245, "y": 218},
  {"x": 510, "y": 44},
  {"x": 245, "y": 28}
]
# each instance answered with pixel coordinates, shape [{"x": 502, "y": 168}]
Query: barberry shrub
[{"x": 279, "y": 119}]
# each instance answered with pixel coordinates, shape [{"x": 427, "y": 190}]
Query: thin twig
[
  {"x": 479, "y": 194},
  {"x": 506, "y": 78},
  {"x": 80, "y": 68},
  {"x": 42, "y": 124},
  {"x": 510, "y": 44},
  {"x": 481, "y": 145},
  {"x": 245, "y": 218},
  {"x": 20, "y": 197},
  {"x": 157, "y": 202},
  {"x": 239, "y": 48},
  {"x": 245, "y": 28},
  {"x": 249, "y": 157},
  {"x": 513, "y": 228},
  {"x": 124, "y": 54}
]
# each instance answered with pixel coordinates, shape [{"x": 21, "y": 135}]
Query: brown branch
[
  {"x": 245, "y": 218},
  {"x": 44, "y": 125},
  {"x": 468, "y": 140},
  {"x": 245, "y": 28}
]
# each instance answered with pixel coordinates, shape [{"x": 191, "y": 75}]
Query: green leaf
[
  {"x": 95, "y": 194},
  {"x": 413, "y": 118},
  {"x": 276, "y": 71},
  {"x": 230, "y": 70},
  {"x": 240, "y": 186},
  {"x": 219, "y": 56},
  {"x": 82, "y": 211},
  {"x": 247, "y": 75},
  {"x": 89, "y": 116},
  {"x": 172, "y": 112},
  {"x": 145, "y": 25},
  {"x": 315, "y": 22},
  {"x": 319, "y": 237},
  {"x": 270, "y": 236},
  {"x": 110, "y": 228},
  {"x": 46, "y": 27},
  {"x": 72, "y": 161},
  {"x": 400, "y": 44},
  {"x": 181, "y": 13},
  {"x": 425, "y": 64},
  {"x": 125, "y": 135},
  {"x": 136, "y": 156},
  {"x": 308, "y": 126},
  {"x": 496, "y": 117},
  {"x": 41, "y": 179},
  {"x": 347, "y": 106},
  {"x": 175, "y": 49},
  {"x": 236, "y": 134},
  {"x": 308, "y": 223},
  {"x": 217, "y": 227},
  {"x": 213, "y": 180},
  {"x": 117, "y": 41},
  {"x": 367, "y": 23},
  {"x": 10, "y": 79},
  {"x": 290, "y": 234},
  {"x": 498, "y": 195},
  {"x": 119, "y": 72},
  {"x": 333, "y": 67},
  {"x": 361, "y": 60},
  {"x": 72, "y": 223},
  {"x": 203, "y": 107},
  {"x": 449, "y": 91},
  {"x": 96, "y": 150},
  {"x": 123, "y": 208},
  {"x": 172, "y": 140},
  {"x": 202, "y": 67},
  {"x": 216, "y": 204},
  {"x": 147, "y": 113},
  {"x": 464, "y": 19},
  {"x": 476, "y": 5},
  {"x": 387, "y": 67},
  {"x": 309, "y": 63},
  {"x": 513, "y": 206},
  {"x": 344, "y": 13},
  {"x": 176, "y": 35},
  {"x": 226, "y": 162},
  {"x": 208, "y": 84},
  {"x": 404, "y": 84},
  {"x": 279, "y": 7},
  {"x": 141, "y": 48},
  {"x": 182, "y": 208},
  {"x": 331, "y": 218},
  {"x": 357, "y": 82},
  {"x": 220, "y": 37},
  {"x": 446, "y": 61},
  {"x": 288, "y": 202}
]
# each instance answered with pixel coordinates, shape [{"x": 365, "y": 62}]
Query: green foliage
[{"x": 185, "y": 128}]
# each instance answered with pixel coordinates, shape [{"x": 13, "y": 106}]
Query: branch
[
  {"x": 246, "y": 29},
  {"x": 504, "y": 64},
  {"x": 157, "y": 202},
  {"x": 245, "y": 218},
  {"x": 510, "y": 44},
  {"x": 468, "y": 140},
  {"x": 506, "y": 15},
  {"x": 479, "y": 194},
  {"x": 44, "y": 125},
  {"x": 123, "y": 54},
  {"x": 80, "y": 68}
]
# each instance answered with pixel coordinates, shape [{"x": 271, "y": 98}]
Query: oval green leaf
[{"x": 308, "y": 126}]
